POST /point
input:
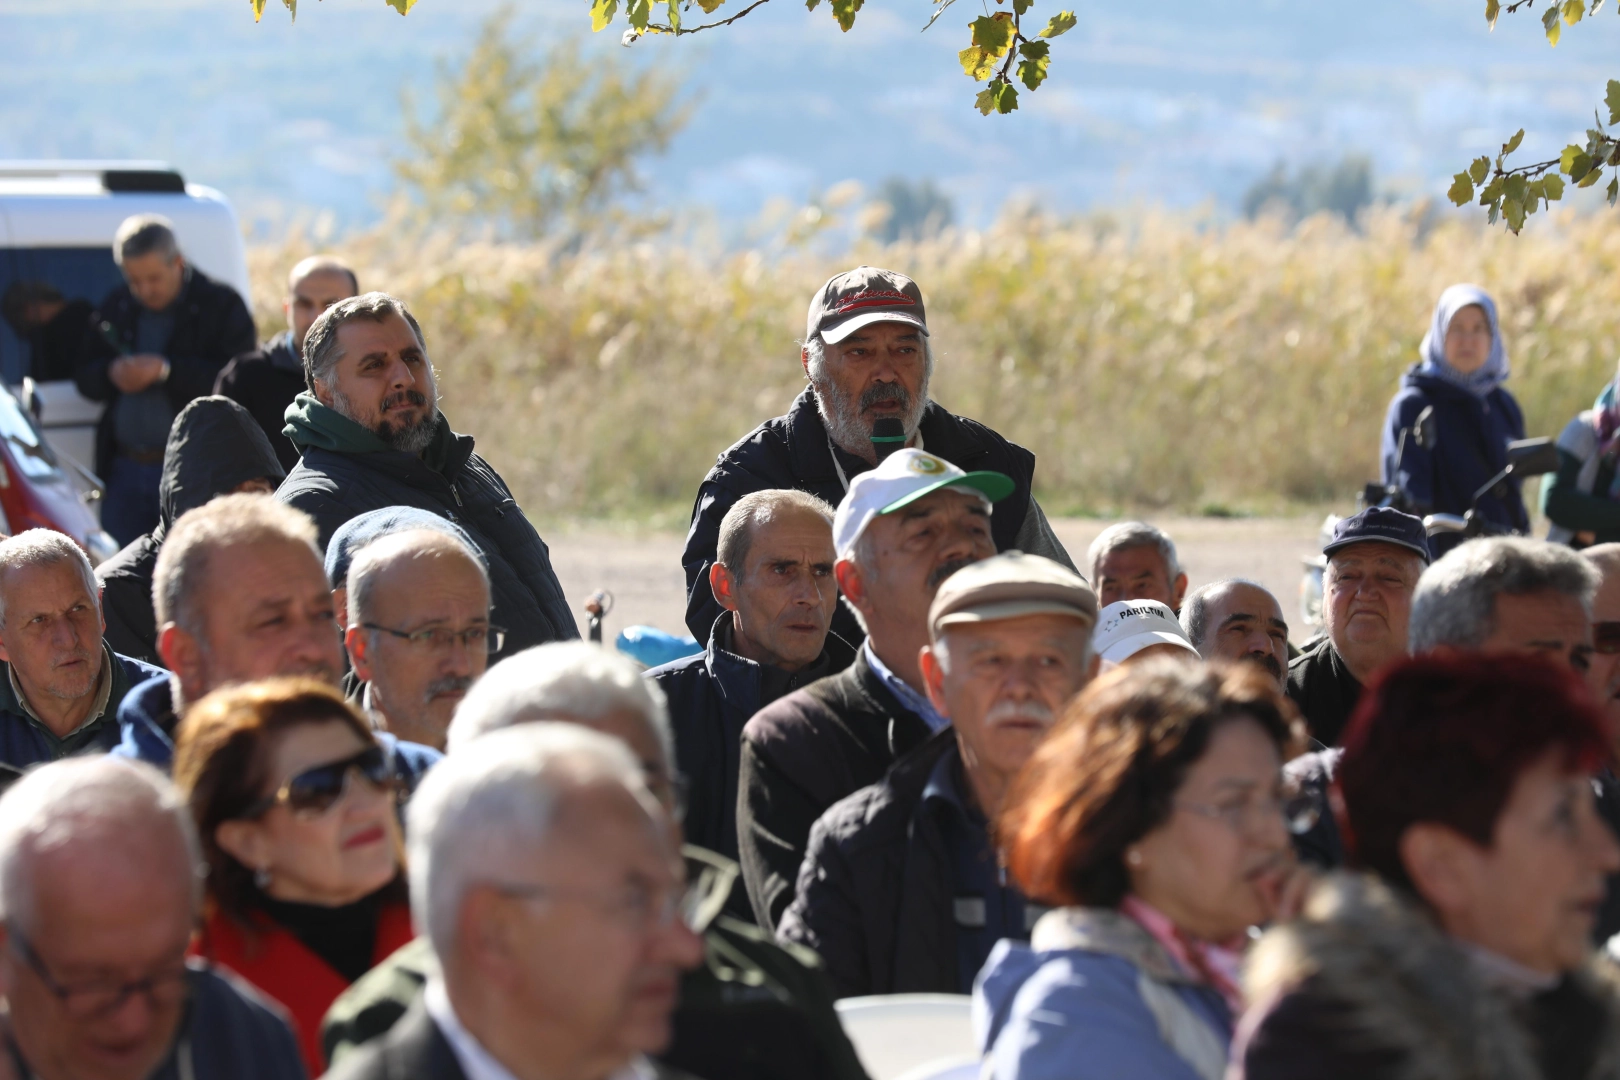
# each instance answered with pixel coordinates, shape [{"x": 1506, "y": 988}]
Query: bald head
[
  {"x": 314, "y": 285},
  {"x": 398, "y": 561}
]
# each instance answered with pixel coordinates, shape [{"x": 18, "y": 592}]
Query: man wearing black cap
[
  {"x": 866, "y": 359},
  {"x": 1373, "y": 564}
]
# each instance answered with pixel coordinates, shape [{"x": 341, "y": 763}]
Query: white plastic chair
[
  {"x": 951, "y": 1068},
  {"x": 896, "y": 1034}
]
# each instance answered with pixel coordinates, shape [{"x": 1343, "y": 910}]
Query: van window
[
  {"x": 78, "y": 273},
  {"x": 29, "y": 449}
]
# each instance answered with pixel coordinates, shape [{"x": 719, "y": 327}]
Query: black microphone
[{"x": 888, "y": 435}]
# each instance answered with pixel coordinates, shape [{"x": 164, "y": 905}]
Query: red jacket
[{"x": 282, "y": 967}]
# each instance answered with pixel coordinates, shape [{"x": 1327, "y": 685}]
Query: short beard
[
  {"x": 66, "y": 689},
  {"x": 1267, "y": 661},
  {"x": 843, "y": 418},
  {"x": 409, "y": 438}
]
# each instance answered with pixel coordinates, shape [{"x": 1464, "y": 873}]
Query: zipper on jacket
[{"x": 456, "y": 494}]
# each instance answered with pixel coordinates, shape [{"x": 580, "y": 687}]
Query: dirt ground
[{"x": 643, "y": 570}]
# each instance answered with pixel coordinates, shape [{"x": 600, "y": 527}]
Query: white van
[{"x": 57, "y": 220}]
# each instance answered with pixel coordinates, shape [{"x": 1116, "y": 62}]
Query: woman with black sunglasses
[{"x": 295, "y": 806}]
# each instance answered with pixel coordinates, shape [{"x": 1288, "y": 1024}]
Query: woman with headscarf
[
  {"x": 1583, "y": 500},
  {"x": 1463, "y": 364}
]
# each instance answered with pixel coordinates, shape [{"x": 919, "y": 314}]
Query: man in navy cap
[
  {"x": 1373, "y": 564},
  {"x": 866, "y": 359}
]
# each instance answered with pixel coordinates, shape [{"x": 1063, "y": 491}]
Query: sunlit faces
[
  {"x": 310, "y": 295},
  {"x": 1368, "y": 601},
  {"x": 1138, "y": 573},
  {"x": 785, "y": 594},
  {"x": 329, "y": 858},
  {"x": 1216, "y": 865},
  {"x": 879, "y": 371},
  {"x": 1550, "y": 623},
  {"x": 155, "y": 279},
  {"x": 382, "y": 381},
  {"x": 51, "y": 635},
  {"x": 1468, "y": 339},
  {"x": 1245, "y": 622}
]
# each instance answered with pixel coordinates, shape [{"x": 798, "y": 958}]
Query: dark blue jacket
[
  {"x": 147, "y": 722},
  {"x": 712, "y": 695},
  {"x": 23, "y": 742},
  {"x": 1473, "y": 435}
]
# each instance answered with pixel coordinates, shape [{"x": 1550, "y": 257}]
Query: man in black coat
[
  {"x": 267, "y": 380},
  {"x": 901, "y": 891},
  {"x": 371, "y": 435},
  {"x": 866, "y": 358},
  {"x": 904, "y": 528},
  {"x": 214, "y": 449},
  {"x": 51, "y": 325},
  {"x": 158, "y": 340},
  {"x": 775, "y": 579}
]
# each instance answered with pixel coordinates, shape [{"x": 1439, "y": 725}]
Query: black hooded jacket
[
  {"x": 214, "y": 446},
  {"x": 265, "y": 383}
]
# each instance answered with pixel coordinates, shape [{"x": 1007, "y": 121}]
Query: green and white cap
[{"x": 900, "y": 480}]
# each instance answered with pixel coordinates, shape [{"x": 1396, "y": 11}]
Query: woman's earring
[
  {"x": 261, "y": 878},
  {"x": 1133, "y": 856}
]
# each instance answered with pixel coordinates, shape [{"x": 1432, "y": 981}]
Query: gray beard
[
  {"x": 412, "y": 439},
  {"x": 842, "y": 418}
]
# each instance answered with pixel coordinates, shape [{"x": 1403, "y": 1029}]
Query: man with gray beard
[
  {"x": 371, "y": 435},
  {"x": 866, "y": 358}
]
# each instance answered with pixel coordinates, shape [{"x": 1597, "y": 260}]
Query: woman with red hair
[{"x": 1461, "y": 949}]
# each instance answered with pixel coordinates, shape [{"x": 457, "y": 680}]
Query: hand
[
  {"x": 1285, "y": 891},
  {"x": 132, "y": 374}
]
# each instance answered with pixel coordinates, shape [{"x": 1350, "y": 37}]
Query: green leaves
[
  {"x": 1573, "y": 11},
  {"x": 844, "y": 11},
  {"x": 977, "y": 63},
  {"x": 602, "y": 12},
  {"x": 401, "y": 6},
  {"x": 1061, "y": 23},
  {"x": 1000, "y": 97},
  {"x": 1549, "y": 23},
  {"x": 1612, "y": 100},
  {"x": 1493, "y": 8},
  {"x": 1513, "y": 143},
  {"x": 1575, "y": 163},
  {"x": 1032, "y": 68},
  {"x": 1461, "y": 191},
  {"x": 994, "y": 33}
]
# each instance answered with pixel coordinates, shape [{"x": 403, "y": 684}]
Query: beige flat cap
[{"x": 1008, "y": 585}]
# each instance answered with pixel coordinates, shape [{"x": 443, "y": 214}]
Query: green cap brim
[{"x": 992, "y": 485}]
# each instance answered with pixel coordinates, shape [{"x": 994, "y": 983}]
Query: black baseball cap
[
  {"x": 860, "y": 297},
  {"x": 1381, "y": 524}
]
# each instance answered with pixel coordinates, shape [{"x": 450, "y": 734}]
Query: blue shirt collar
[{"x": 917, "y": 703}]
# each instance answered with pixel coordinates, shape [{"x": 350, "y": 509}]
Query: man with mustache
[
  {"x": 372, "y": 435},
  {"x": 419, "y": 630},
  {"x": 240, "y": 595},
  {"x": 866, "y": 357},
  {"x": 904, "y": 528},
  {"x": 62, "y": 684},
  {"x": 1234, "y": 619},
  {"x": 1373, "y": 564},
  {"x": 901, "y": 891}
]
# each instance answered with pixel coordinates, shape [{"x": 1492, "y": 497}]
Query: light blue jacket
[{"x": 1095, "y": 997}]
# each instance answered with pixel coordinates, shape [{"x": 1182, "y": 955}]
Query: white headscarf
[{"x": 1493, "y": 372}]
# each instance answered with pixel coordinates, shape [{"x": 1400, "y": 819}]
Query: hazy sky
[{"x": 1177, "y": 102}]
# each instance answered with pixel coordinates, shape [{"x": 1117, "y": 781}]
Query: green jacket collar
[{"x": 312, "y": 424}]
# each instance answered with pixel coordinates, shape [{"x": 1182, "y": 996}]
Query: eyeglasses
[
  {"x": 1299, "y": 813},
  {"x": 440, "y": 638},
  {"x": 640, "y": 905},
  {"x": 1606, "y": 638},
  {"x": 89, "y": 1000},
  {"x": 316, "y": 790}
]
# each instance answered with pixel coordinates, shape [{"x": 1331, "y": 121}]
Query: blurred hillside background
[{"x": 1188, "y": 272}]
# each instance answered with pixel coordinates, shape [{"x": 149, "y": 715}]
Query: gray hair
[
  {"x": 1133, "y": 534},
  {"x": 480, "y": 813},
  {"x": 321, "y": 352},
  {"x": 1195, "y": 608},
  {"x": 373, "y": 560},
  {"x": 181, "y": 574},
  {"x": 321, "y": 264},
  {"x": 145, "y": 234},
  {"x": 847, "y": 431},
  {"x": 104, "y": 801},
  {"x": 44, "y": 547},
  {"x": 1455, "y": 601},
  {"x": 564, "y": 680},
  {"x": 760, "y": 508}
]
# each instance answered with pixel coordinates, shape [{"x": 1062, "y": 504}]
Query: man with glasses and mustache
[
  {"x": 100, "y": 881},
  {"x": 419, "y": 630},
  {"x": 866, "y": 359},
  {"x": 62, "y": 685},
  {"x": 901, "y": 891},
  {"x": 1234, "y": 619},
  {"x": 240, "y": 595},
  {"x": 904, "y": 528},
  {"x": 371, "y": 435}
]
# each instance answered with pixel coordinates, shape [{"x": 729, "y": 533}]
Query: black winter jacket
[
  {"x": 214, "y": 447},
  {"x": 799, "y": 756},
  {"x": 712, "y": 695},
  {"x": 1326, "y": 692},
  {"x": 793, "y": 451},
  {"x": 211, "y": 325},
  {"x": 333, "y": 486},
  {"x": 265, "y": 382},
  {"x": 875, "y": 895}
]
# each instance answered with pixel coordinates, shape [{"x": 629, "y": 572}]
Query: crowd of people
[{"x": 314, "y": 776}]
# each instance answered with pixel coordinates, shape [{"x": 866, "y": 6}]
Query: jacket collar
[
  {"x": 312, "y": 425},
  {"x": 740, "y": 681},
  {"x": 110, "y": 690},
  {"x": 1110, "y": 933},
  {"x": 811, "y": 450}
]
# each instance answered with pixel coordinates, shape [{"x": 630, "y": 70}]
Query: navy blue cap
[
  {"x": 357, "y": 532},
  {"x": 1384, "y": 525}
]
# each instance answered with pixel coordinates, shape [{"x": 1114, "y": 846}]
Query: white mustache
[{"x": 1034, "y": 712}]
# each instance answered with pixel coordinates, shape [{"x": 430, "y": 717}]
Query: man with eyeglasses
[
  {"x": 901, "y": 890},
  {"x": 240, "y": 595},
  {"x": 419, "y": 630},
  {"x": 99, "y": 891}
]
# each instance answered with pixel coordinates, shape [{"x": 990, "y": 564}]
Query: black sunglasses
[
  {"x": 319, "y": 788},
  {"x": 1606, "y": 638}
]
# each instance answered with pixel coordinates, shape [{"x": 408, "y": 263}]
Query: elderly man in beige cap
[{"x": 900, "y": 891}]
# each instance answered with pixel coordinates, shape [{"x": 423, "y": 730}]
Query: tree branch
[{"x": 665, "y": 28}]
